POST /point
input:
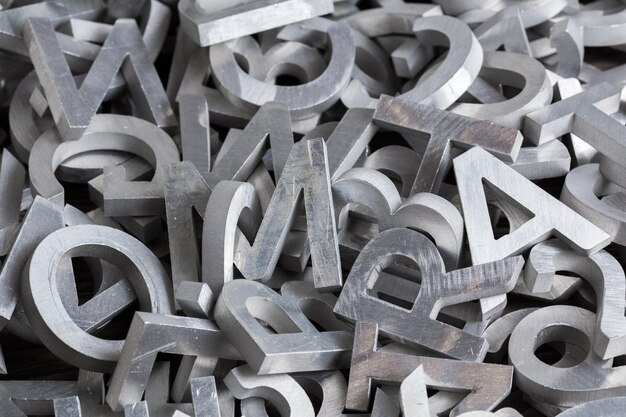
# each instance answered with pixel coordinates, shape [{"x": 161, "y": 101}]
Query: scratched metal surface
[{"x": 312, "y": 208}]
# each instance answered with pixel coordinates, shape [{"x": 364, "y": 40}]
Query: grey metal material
[
  {"x": 195, "y": 298},
  {"x": 42, "y": 183},
  {"x": 612, "y": 170},
  {"x": 583, "y": 190},
  {"x": 216, "y": 22},
  {"x": 333, "y": 387},
  {"x": 195, "y": 133},
  {"x": 90, "y": 392},
  {"x": 517, "y": 70},
  {"x": 152, "y": 17},
  {"x": 305, "y": 177},
  {"x": 42, "y": 219},
  {"x": 499, "y": 331},
  {"x": 67, "y": 407},
  {"x": 483, "y": 91},
  {"x": 592, "y": 76},
  {"x": 504, "y": 28},
  {"x": 44, "y": 306},
  {"x": 503, "y": 412},
  {"x": 349, "y": 140},
  {"x": 539, "y": 215},
  {"x": 238, "y": 158},
  {"x": 582, "y": 152},
  {"x": 33, "y": 397},
  {"x": 549, "y": 160},
  {"x": 186, "y": 195},
  {"x": 113, "y": 292},
  {"x": 253, "y": 406},
  {"x": 202, "y": 368},
  {"x": 265, "y": 59},
  {"x": 146, "y": 338},
  {"x": 26, "y": 125},
  {"x": 222, "y": 230},
  {"x": 12, "y": 175},
  {"x": 459, "y": 68},
  {"x": 584, "y": 115},
  {"x": 588, "y": 378},
  {"x": 314, "y": 147},
  {"x": 356, "y": 95},
  {"x": 562, "y": 289},
  {"x": 83, "y": 167},
  {"x": 532, "y": 12},
  {"x": 157, "y": 393},
  {"x": 347, "y": 143},
  {"x": 566, "y": 36},
  {"x": 124, "y": 9},
  {"x": 14, "y": 19},
  {"x": 373, "y": 70},
  {"x": 384, "y": 406},
  {"x": 190, "y": 368},
  {"x": 413, "y": 396},
  {"x": 282, "y": 390},
  {"x": 600, "y": 408},
  {"x": 488, "y": 384},
  {"x": 398, "y": 163},
  {"x": 445, "y": 129},
  {"x": 388, "y": 20},
  {"x": 187, "y": 191},
  {"x": 427, "y": 212},
  {"x": 535, "y": 12},
  {"x": 108, "y": 132},
  {"x": 222, "y": 111},
  {"x": 316, "y": 306},
  {"x": 411, "y": 57},
  {"x": 297, "y": 345},
  {"x": 74, "y": 108},
  {"x": 418, "y": 326},
  {"x": 603, "y": 272},
  {"x": 457, "y": 7},
  {"x": 144, "y": 228},
  {"x": 304, "y": 100},
  {"x": 184, "y": 49},
  {"x": 204, "y": 396},
  {"x": 601, "y": 29},
  {"x": 528, "y": 223},
  {"x": 138, "y": 409}
]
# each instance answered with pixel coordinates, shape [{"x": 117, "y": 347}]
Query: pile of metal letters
[{"x": 300, "y": 208}]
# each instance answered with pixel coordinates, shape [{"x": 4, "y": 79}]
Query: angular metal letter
[
  {"x": 150, "y": 334},
  {"x": 306, "y": 177},
  {"x": 418, "y": 326},
  {"x": 545, "y": 215},
  {"x": 297, "y": 347},
  {"x": 487, "y": 384},
  {"x": 73, "y": 108},
  {"x": 446, "y": 130}
]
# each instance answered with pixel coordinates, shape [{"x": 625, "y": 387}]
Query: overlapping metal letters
[{"x": 300, "y": 208}]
